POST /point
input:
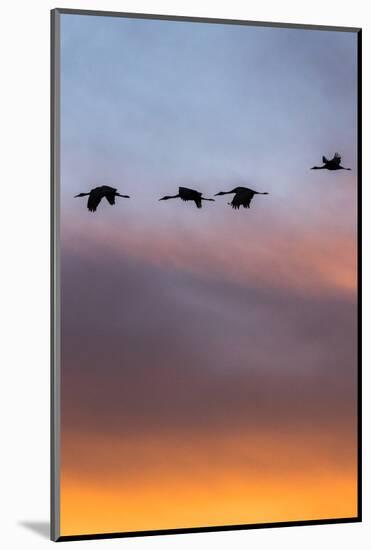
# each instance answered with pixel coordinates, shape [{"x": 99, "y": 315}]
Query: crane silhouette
[
  {"x": 98, "y": 193},
  {"x": 242, "y": 196},
  {"x": 188, "y": 195},
  {"x": 332, "y": 164}
]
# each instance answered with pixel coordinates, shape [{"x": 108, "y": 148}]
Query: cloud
[
  {"x": 155, "y": 348},
  {"x": 282, "y": 253}
]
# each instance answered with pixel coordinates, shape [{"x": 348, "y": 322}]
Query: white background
[{"x": 24, "y": 303}]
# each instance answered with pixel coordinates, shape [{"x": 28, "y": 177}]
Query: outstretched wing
[
  {"x": 242, "y": 199},
  {"x": 187, "y": 194},
  {"x": 94, "y": 199},
  {"x": 336, "y": 159},
  {"x": 324, "y": 160},
  {"x": 107, "y": 189},
  {"x": 110, "y": 197}
]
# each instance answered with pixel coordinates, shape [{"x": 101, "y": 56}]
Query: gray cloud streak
[{"x": 145, "y": 346}]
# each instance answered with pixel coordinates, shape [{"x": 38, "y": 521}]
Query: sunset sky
[{"x": 208, "y": 356}]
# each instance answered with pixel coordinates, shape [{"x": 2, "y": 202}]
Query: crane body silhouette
[
  {"x": 332, "y": 164},
  {"x": 98, "y": 193},
  {"x": 187, "y": 194},
  {"x": 242, "y": 196}
]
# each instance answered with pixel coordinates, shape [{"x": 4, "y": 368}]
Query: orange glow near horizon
[
  {"x": 154, "y": 484},
  {"x": 178, "y": 503}
]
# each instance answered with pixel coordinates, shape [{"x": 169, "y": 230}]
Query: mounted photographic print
[{"x": 205, "y": 274}]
